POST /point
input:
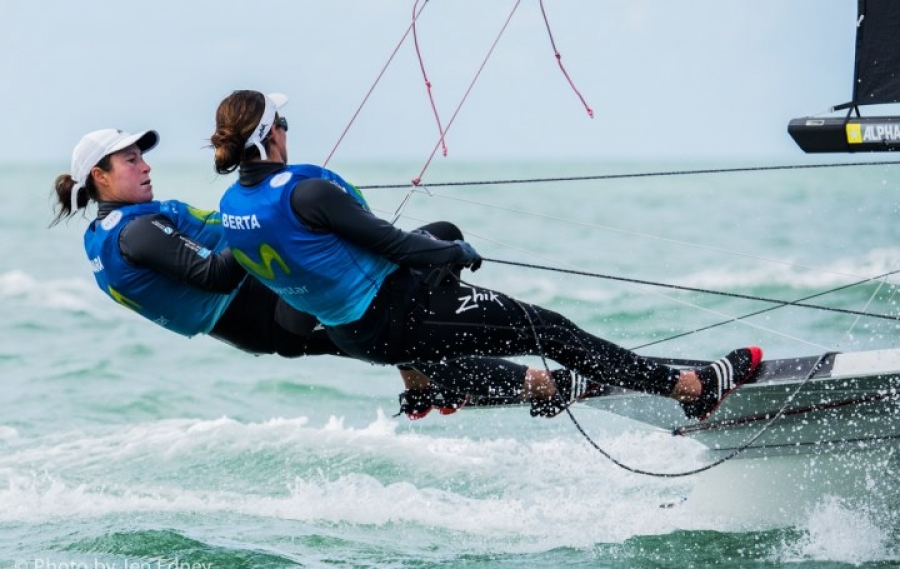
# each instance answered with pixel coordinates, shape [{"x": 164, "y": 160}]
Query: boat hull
[{"x": 812, "y": 405}]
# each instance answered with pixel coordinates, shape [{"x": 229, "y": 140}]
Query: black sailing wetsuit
[
  {"x": 259, "y": 322},
  {"x": 416, "y": 318}
]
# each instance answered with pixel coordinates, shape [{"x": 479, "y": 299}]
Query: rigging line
[
  {"x": 871, "y": 299},
  {"x": 698, "y": 470},
  {"x": 695, "y": 306},
  {"x": 585, "y": 435},
  {"x": 813, "y": 408},
  {"x": 643, "y": 235},
  {"x": 372, "y": 88},
  {"x": 682, "y": 431},
  {"x": 635, "y": 175},
  {"x": 693, "y": 289},
  {"x": 768, "y": 424},
  {"x": 728, "y": 318},
  {"x": 771, "y": 308},
  {"x": 417, "y": 180},
  {"x": 743, "y": 447},
  {"x": 399, "y": 211},
  {"x": 733, "y": 319},
  {"x": 556, "y": 53},
  {"x": 437, "y": 118}
]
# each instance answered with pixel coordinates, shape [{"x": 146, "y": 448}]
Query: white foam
[
  {"x": 514, "y": 495},
  {"x": 838, "y": 533},
  {"x": 8, "y": 434},
  {"x": 75, "y": 294},
  {"x": 536, "y": 494}
]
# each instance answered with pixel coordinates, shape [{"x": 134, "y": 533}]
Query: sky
[{"x": 667, "y": 79}]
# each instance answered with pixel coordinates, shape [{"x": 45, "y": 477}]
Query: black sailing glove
[
  {"x": 470, "y": 257},
  {"x": 416, "y": 403}
]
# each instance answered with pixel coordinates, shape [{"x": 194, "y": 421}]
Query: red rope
[
  {"x": 372, "y": 88},
  {"x": 590, "y": 111},
  {"x": 417, "y": 180},
  {"x": 437, "y": 118}
]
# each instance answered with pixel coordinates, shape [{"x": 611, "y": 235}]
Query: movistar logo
[
  {"x": 359, "y": 194},
  {"x": 123, "y": 300},
  {"x": 263, "y": 269},
  {"x": 204, "y": 215}
]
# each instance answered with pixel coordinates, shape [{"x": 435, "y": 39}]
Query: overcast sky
[{"x": 666, "y": 78}]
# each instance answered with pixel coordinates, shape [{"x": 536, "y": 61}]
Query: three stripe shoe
[
  {"x": 720, "y": 378},
  {"x": 570, "y": 388}
]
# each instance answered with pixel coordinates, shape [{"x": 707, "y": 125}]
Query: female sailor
[
  {"x": 390, "y": 296},
  {"x": 169, "y": 262}
]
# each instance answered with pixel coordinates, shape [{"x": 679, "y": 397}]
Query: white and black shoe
[
  {"x": 720, "y": 379},
  {"x": 570, "y": 388}
]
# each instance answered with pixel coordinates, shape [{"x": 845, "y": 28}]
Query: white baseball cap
[
  {"x": 94, "y": 146},
  {"x": 274, "y": 102}
]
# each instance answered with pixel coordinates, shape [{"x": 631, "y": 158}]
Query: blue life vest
[
  {"x": 157, "y": 297},
  {"x": 318, "y": 273}
]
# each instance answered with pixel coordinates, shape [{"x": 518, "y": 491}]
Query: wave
[
  {"x": 459, "y": 495},
  {"x": 534, "y": 491},
  {"x": 73, "y": 295},
  {"x": 840, "y": 533},
  {"x": 160, "y": 548},
  {"x": 792, "y": 274}
]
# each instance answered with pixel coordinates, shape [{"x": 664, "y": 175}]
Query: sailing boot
[
  {"x": 720, "y": 378},
  {"x": 570, "y": 387},
  {"x": 417, "y": 403}
]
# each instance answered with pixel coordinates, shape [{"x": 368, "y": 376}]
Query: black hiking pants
[{"x": 414, "y": 320}]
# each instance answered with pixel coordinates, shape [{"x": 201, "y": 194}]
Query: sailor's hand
[
  {"x": 417, "y": 403},
  {"x": 469, "y": 257}
]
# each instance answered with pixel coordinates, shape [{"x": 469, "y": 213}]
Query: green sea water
[{"x": 123, "y": 445}]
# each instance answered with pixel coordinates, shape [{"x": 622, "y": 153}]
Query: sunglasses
[{"x": 281, "y": 123}]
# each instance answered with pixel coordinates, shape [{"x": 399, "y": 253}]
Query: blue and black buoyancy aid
[
  {"x": 162, "y": 299},
  {"x": 315, "y": 272}
]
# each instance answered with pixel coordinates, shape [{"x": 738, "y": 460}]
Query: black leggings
[
  {"x": 410, "y": 321},
  {"x": 258, "y": 322}
]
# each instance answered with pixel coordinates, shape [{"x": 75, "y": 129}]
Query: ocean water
[{"x": 123, "y": 445}]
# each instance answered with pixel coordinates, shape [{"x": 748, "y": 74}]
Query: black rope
[
  {"x": 566, "y": 405},
  {"x": 633, "y": 175},
  {"x": 634, "y": 470},
  {"x": 748, "y": 442},
  {"x": 779, "y": 303},
  {"x": 693, "y": 289},
  {"x": 735, "y": 452},
  {"x": 709, "y": 466}
]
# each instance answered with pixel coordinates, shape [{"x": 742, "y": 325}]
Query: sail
[
  {"x": 876, "y": 81},
  {"x": 877, "y": 73}
]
